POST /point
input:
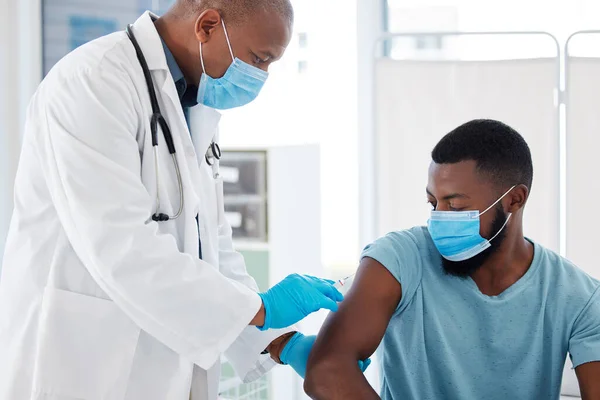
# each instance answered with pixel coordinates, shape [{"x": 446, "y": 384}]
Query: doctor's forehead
[{"x": 268, "y": 35}]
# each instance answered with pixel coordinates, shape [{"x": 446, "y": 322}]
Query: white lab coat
[{"x": 96, "y": 302}]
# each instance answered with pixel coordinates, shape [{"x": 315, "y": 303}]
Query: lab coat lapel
[
  {"x": 149, "y": 40},
  {"x": 175, "y": 112},
  {"x": 203, "y": 125},
  {"x": 181, "y": 135}
]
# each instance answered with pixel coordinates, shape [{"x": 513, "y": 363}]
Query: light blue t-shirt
[{"x": 447, "y": 340}]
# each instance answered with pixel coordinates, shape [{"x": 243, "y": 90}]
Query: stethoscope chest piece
[{"x": 213, "y": 153}]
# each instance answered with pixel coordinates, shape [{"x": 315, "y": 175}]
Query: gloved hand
[
  {"x": 296, "y": 352},
  {"x": 296, "y": 297}
]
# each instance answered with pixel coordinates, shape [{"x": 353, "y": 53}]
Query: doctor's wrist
[
  {"x": 259, "y": 319},
  {"x": 264, "y": 314}
]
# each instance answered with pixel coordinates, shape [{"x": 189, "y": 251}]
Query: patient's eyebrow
[{"x": 450, "y": 196}]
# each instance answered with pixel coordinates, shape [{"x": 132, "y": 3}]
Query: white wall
[
  {"x": 9, "y": 111},
  {"x": 319, "y": 106},
  {"x": 369, "y": 26},
  {"x": 5, "y": 123},
  {"x": 20, "y": 73}
]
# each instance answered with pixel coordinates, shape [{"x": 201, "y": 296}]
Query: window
[
  {"x": 557, "y": 17},
  {"x": 68, "y": 24},
  {"x": 303, "y": 40},
  {"x": 428, "y": 42},
  {"x": 302, "y": 67}
]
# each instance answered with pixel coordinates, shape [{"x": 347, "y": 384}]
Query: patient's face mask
[
  {"x": 240, "y": 85},
  {"x": 456, "y": 233}
]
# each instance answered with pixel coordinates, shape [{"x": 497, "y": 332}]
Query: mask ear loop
[
  {"x": 227, "y": 38},
  {"x": 501, "y": 229},
  {"x": 507, "y": 219},
  {"x": 202, "y": 59},
  {"x": 228, "y": 45},
  {"x": 497, "y": 201}
]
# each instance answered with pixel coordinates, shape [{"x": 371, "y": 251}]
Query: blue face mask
[
  {"x": 456, "y": 233},
  {"x": 240, "y": 85}
]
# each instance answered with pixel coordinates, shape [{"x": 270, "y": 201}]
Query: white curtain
[
  {"x": 583, "y": 142},
  {"x": 417, "y": 102}
]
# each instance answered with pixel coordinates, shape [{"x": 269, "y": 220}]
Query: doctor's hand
[
  {"x": 296, "y": 297},
  {"x": 296, "y": 352}
]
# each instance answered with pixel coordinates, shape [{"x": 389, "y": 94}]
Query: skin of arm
[
  {"x": 353, "y": 333},
  {"x": 259, "y": 318},
  {"x": 588, "y": 376}
]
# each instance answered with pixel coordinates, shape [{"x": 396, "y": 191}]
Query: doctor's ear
[{"x": 206, "y": 24}]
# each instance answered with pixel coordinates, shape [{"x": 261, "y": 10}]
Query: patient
[{"x": 466, "y": 308}]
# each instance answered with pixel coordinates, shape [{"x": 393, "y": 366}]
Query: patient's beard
[{"x": 466, "y": 268}]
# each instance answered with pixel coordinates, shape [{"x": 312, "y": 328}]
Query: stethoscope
[{"x": 213, "y": 154}]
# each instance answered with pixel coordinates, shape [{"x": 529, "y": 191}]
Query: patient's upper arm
[
  {"x": 389, "y": 275},
  {"x": 588, "y": 375},
  {"x": 356, "y": 329},
  {"x": 387, "y": 279}
]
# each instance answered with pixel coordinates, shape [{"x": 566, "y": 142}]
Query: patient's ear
[{"x": 517, "y": 198}]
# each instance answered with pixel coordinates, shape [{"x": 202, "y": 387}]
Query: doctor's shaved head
[{"x": 236, "y": 11}]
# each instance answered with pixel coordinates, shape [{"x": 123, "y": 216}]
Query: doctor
[{"x": 120, "y": 280}]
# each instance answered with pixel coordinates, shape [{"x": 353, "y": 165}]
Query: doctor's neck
[{"x": 175, "y": 32}]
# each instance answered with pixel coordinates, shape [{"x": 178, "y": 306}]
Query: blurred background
[{"x": 334, "y": 152}]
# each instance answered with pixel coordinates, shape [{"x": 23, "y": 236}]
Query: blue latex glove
[
  {"x": 296, "y": 297},
  {"x": 296, "y": 352}
]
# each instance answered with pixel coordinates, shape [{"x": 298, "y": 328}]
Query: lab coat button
[{"x": 190, "y": 152}]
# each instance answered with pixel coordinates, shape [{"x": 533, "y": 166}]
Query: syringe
[{"x": 344, "y": 284}]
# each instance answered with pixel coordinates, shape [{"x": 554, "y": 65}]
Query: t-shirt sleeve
[
  {"x": 584, "y": 343},
  {"x": 399, "y": 253}
]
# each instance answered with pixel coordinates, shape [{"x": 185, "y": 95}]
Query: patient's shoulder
[
  {"x": 402, "y": 254},
  {"x": 563, "y": 277},
  {"x": 405, "y": 243}
]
